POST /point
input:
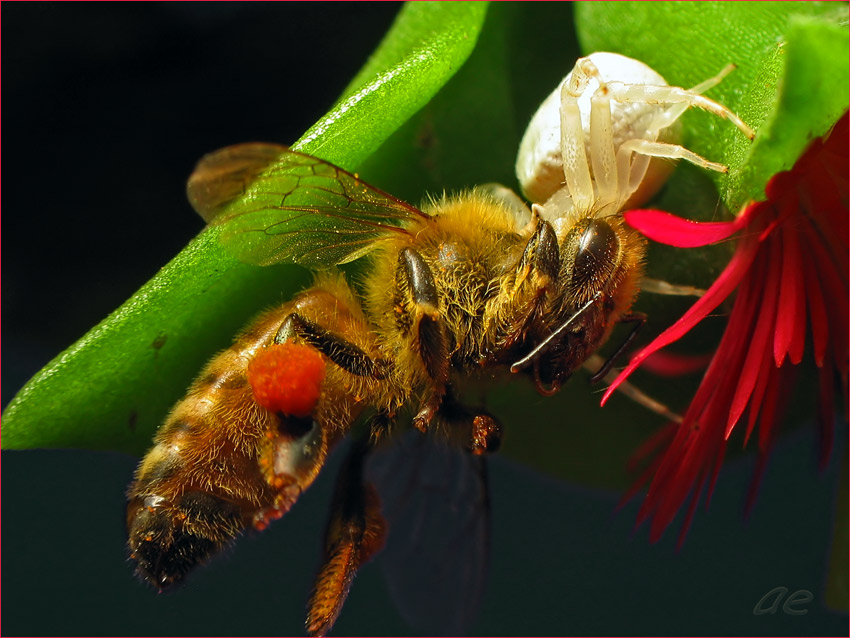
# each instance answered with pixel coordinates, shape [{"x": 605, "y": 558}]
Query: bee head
[{"x": 584, "y": 302}]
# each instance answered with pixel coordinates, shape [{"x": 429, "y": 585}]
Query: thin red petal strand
[
  {"x": 669, "y": 364},
  {"x": 638, "y": 484},
  {"x": 720, "y": 290},
  {"x": 752, "y": 287},
  {"x": 703, "y": 422},
  {"x": 798, "y": 339},
  {"x": 835, "y": 295},
  {"x": 791, "y": 312},
  {"x": 779, "y": 392},
  {"x": 672, "y": 496},
  {"x": 817, "y": 310},
  {"x": 648, "y": 449},
  {"x": 701, "y": 441},
  {"x": 826, "y": 413},
  {"x": 764, "y": 328},
  {"x": 651, "y": 446},
  {"x": 757, "y": 398},
  {"x": 718, "y": 385},
  {"x": 715, "y": 472},
  {"x": 675, "y": 480},
  {"x": 663, "y": 476},
  {"x": 822, "y": 202},
  {"x": 689, "y": 517}
]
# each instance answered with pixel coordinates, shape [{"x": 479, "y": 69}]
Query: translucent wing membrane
[
  {"x": 225, "y": 174},
  {"x": 435, "y": 498},
  {"x": 297, "y": 208}
]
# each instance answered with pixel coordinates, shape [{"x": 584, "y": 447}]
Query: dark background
[{"x": 105, "y": 110}]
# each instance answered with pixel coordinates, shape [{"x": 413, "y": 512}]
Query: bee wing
[
  {"x": 223, "y": 175},
  {"x": 296, "y": 208},
  {"x": 435, "y": 498}
]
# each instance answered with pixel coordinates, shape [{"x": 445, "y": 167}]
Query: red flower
[{"x": 791, "y": 261}]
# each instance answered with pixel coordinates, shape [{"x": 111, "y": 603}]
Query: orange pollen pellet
[{"x": 287, "y": 378}]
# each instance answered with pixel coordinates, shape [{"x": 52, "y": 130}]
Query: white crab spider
[
  {"x": 590, "y": 147},
  {"x": 598, "y": 145}
]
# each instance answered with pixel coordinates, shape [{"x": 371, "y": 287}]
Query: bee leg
[
  {"x": 523, "y": 292},
  {"x": 419, "y": 305},
  {"x": 637, "y": 318},
  {"x": 541, "y": 259},
  {"x": 355, "y": 533},
  {"x": 380, "y": 426},
  {"x": 474, "y": 429},
  {"x": 486, "y": 434},
  {"x": 342, "y": 352}
]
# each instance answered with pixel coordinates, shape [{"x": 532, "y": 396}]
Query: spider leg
[
  {"x": 630, "y": 171},
  {"x": 573, "y": 153},
  {"x": 647, "y": 148},
  {"x": 602, "y": 156},
  {"x": 674, "y": 112},
  {"x": 661, "y": 287},
  {"x": 675, "y": 95}
]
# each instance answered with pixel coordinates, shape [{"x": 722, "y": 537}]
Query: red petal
[
  {"x": 778, "y": 394},
  {"x": 651, "y": 446},
  {"x": 835, "y": 296},
  {"x": 715, "y": 472},
  {"x": 757, "y": 397},
  {"x": 789, "y": 337},
  {"x": 689, "y": 517},
  {"x": 669, "y": 229},
  {"x": 720, "y": 289},
  {"x": 817, "y": 310},
  {"x": 669, "y": 364},
  {"x": 764, "y": 328}
]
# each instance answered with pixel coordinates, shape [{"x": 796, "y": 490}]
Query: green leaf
[
  {"x": 465, "y": 134},
  {"x": 112, "y": 388}
]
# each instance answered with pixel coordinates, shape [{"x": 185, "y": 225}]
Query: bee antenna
[{"x": 541, "y": 348}]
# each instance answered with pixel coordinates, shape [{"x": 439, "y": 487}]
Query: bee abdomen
[{"x": 168, "y": 539}]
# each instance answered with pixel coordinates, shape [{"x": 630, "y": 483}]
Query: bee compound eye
[{"x": 596, "y": 253}]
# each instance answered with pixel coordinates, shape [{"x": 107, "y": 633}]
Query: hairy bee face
[{"x": 599, "y": 265}]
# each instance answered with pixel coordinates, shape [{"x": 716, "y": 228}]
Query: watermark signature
[{"x": 776, "y": 599}]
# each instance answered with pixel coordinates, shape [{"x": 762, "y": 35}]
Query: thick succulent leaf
[
  {"x": 113, "y": 387},
  {"x": 467, "y": 134}
]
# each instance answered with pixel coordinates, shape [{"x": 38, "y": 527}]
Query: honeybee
[{"x": 468, "y": 287}]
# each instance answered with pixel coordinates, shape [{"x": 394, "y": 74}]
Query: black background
[{"x": 106, "y": 107}]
